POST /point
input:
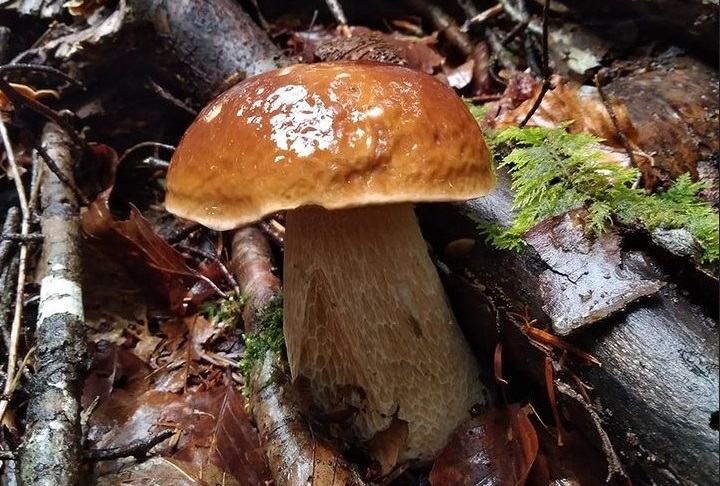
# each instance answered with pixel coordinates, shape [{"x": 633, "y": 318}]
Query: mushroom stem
[{"x": 368, "y": 323}]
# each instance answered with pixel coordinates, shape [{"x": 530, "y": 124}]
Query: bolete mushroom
[{"x": 347, "y": 148}]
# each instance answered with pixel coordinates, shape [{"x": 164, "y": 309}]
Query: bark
[
  {"x": 657, "y": 388},
  {"x": 51, "y": 449},
  {"x": 295, "y": 454},
  {"x": 165, "y": 44}
]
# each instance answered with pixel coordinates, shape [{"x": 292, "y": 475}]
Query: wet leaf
[
  {"x": 496, "y": 448},
  {"x": 217, "y": 431},
  {"x": 150, "y": 258}
]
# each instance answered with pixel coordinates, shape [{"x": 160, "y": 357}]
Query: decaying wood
[
  {"x": 51, "y": 449},
  {"x": 295, "y": 455},
  {"x": 659, "y": 376}
]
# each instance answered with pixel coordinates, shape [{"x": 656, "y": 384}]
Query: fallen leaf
[
  {"x": 217, "y": 431},
  {"x": 150, "y": 258},
  {"x": 495, "y": 448}
]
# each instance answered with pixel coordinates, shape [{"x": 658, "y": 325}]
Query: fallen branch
[
  {"x": 295, "y": 455},
  {"x": 51, "y": 452}
]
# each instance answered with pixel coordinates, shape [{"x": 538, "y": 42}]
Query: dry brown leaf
[
  {"x": 28, "y": 92},
  {"x": 217, "y": 431},
  {"x": 150, "y": 258},
  {"x": 582, "y": 105},
  {"x": 497, "y": 448}
]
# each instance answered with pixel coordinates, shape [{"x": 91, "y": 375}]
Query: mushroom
[{"x": 347, "y": 148}]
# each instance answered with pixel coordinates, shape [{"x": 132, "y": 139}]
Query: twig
[
  {"x": 613, "y": 117},
  {"x": 545, "y": 67},
  {"x": 8, "y": 275},
  {"x": 19, "y": 100},
  {"x": 138, "y": 448},
  {"x": 214, "y": 258},
  {"x": 11, "y": 225},
  {"x": 29, "y": 238},
  {"x": 337, "y": 12},
  {"x": 183, "y": 233},
  {"x": 15, "y": 328},
  {"x": 482, "y": 17},
  {"x": 520, "y": 15},
  {"x": 445, "y": 24},
  {"x": 468, "y": 7},
  {"x": 65, "y": 179},
  {"x": 41, "y": 68},
  {"x": 142, "y": 145}
]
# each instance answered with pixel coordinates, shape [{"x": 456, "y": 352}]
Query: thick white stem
[{"x": 367, "y": 322}]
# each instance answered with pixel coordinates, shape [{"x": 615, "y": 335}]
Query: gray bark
[{"x": 52, "y": 445}]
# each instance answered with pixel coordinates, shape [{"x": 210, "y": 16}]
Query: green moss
[
  {"x": 267, "y": 337},
  {"x": 227, "y": 310},
  {"x": 553, "y": 171}
]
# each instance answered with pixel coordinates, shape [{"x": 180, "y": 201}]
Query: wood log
[{"x": 657, "y": 389}]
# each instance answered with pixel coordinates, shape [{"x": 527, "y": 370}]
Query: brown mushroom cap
[{"x": 336, "y": 135}]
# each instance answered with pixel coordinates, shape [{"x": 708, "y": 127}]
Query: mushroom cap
[{"x": 336, "y": 135}]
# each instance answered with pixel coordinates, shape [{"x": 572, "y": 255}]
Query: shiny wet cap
[{"x": 336, "y": 135}]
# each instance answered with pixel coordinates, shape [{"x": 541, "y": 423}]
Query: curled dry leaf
[
  {"x": 496, "y": 448},
  {"x": 583, "y": 106},
  {"x": 28, "y": 92},
  {"x": 150, "y": 258}
]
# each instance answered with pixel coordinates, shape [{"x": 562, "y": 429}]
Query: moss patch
[
  {"x": 267, "y": 337},
  {"x": 554, "y": 171}
]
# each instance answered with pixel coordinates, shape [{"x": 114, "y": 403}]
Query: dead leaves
[
  {"x": 497, "y": 448},
  {"x": 152, "y": 259}
]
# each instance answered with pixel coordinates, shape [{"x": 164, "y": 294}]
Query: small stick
[
  {"x": 613, "y": 117},
  {"x": 138, "y": 448},
  {"x": 141, "y": 145},
  {"x": 545, "y": 67},
  {"x": 214, "y": 258},
  {"x": 337, "y": 12},
  {"x": 468, "y": 7},
  {"x": 16, "y": 327},
  {"x": 445, "y": 24},
  {"x": 482, "y": 17},
  {"x": 29, "y": 238},
  {"x": 183, "y": 233},
  {"x": 519, "y": 15}
]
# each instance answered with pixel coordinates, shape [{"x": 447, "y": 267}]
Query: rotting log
[
  {"x": 295, "y": 454},
  {"x": 52, "y": 445},
  {"x": 657, "y": 388}
]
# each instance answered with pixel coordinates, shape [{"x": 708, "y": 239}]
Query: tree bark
[{"x": 52, "y": 446}]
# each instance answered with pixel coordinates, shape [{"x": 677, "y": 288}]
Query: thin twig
[
  {"x": 32, "y": 237},
  {"x": 545, "y": 66},
  {"x": 183, "y": 233},
  {"x": 40, "y": 68},
  {"x": 613, "y": 117},
  {"x": 214, "y": 258},
  {"x": 142, "y": 145},
  {"x": 59, "y": 173},
  {"x": 15, "y": 328},
  {"x": 11, "y": 225},
  {"x": 468, "y": 7},
  {"x": 337, "y": 12},
  {"x": 138, "y": 448},
  {"x": 520, "y": 15},
  {"x": 445, "y": 24},
  {"x": 482, "y": 17}
]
